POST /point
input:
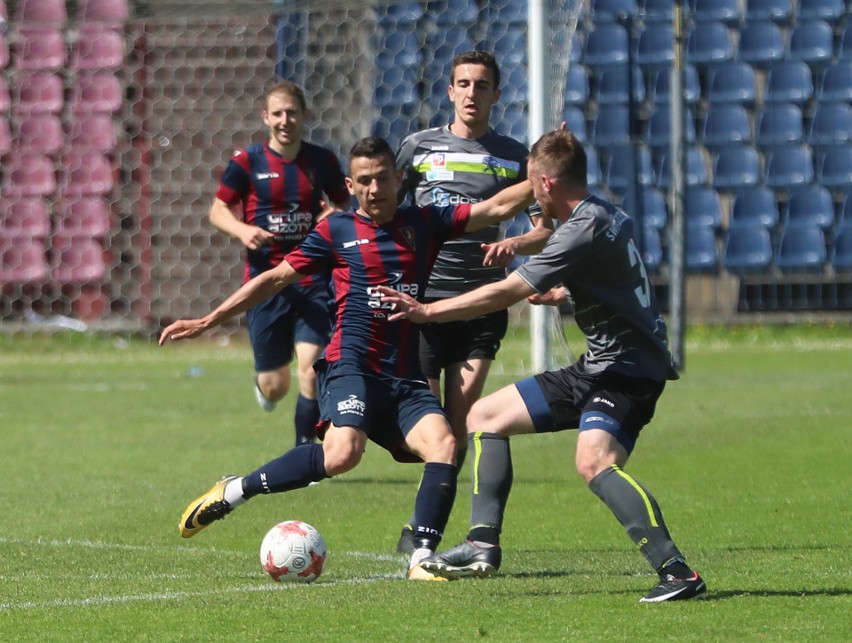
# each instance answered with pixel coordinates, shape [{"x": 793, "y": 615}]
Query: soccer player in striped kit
[
  {"x": 370, "y": 382},
  {"x": 270, "y": 197}
]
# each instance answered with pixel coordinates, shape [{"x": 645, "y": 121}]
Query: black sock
[
  {"x": 676, "y": 568},
  {"x": 488, "y": 535},
  {"x": 434, "y": 502},
  {"x": 307, "y": 416},
  {"x": 297, "y": 468}
]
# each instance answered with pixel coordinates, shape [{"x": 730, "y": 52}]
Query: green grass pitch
[{"x": 104, "y": 443}]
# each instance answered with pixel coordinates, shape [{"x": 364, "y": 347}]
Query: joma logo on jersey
[
  {"x": 351, "y": 405},
  {"x": 356, "y": 242},
  {"x": 263, "y": 176}
]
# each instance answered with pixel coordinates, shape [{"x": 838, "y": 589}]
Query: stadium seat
[
  {"x": 97, "y": 48},
  {"x": 779, "y": 125},
  {"x": 778, "y": 11},
  {"x": 841, "y": 253},
  {"x": 659, "y": 129},
  {"x": 448, "y": 13},
  {"x": 709, "y": 43},
  {"x": 655, "y": 47},
  {"x": 593, "y": 168},
  {"x": 829, "y": 10},
  {"x": 93, "y": 132},
  {"x": 831, "y": 125},
  {"x": 111, "y": 13},
  {"x": 514, "y": 83},
  {"x": 83, "y": 217},
  {"x": 789, "y": 81},
  {"x": 98, "y": 92},
  {"x": 42, "y": 49},
  {"x": 400, "y": 13},
  {"x": 789, "y": 168},
  {"x": 655, "y": 212},
  {"x": 736, "y": 167},
  {"x": 726, "y": 125},
  {"x": 39, "y": 92},
  {"x": 86, "y": 173},
  {"x": 755, "y": 205},
  {"x": 611, "y": 126},
  {"x": 38, "y": 12},
  {"x": 612, "y": 10},
  {"x": 846, "y": 43},
  {"x": 505, "y": 11},
  {"x": 509, "y": 43},
  {"x": 4, "y": 51},
  {"x": 40, "y": 133},
  {"x": 733, "y": 82},
  {"x": 396, "y": 86},
  {"x": 652, "y": 249},
  {"x": 836, "y": 83},
  {"x": 812, "y": 205},
  {"x": 613, "y": 83},
  {"x": 577, "y": 85},
  {"x": 5, "y": 96},
  {"x": 24, "y": 217},
  {"x": 575, "y": 120},
  {"x": 513, "y": 121},
  {"x": 77, "y": 260},
  {"x": 835, "y": 168},
  {"x": 812, "y": 42},
  {"x": 661, "y": 90},
  {"x": 23, "y": 260},
  {"x": 395, "y": 122},
  {"x": 5, "y": 136},
  {"x": 845, "y": 214},
  {"x": 703, "y": 207},
  {"x": 619, "y": 173},
  {"x": 696, "y": 168},
  {"x": 761, "y": 44},
  {"x": 657, "y": 10},
  {"x": 605, "y": 45},
  {"x": 748, "y": 249},
  {"x": 802, "y": 249},
  {"x": 728, "y": 12},
  {"x": 701, "y": 252}
]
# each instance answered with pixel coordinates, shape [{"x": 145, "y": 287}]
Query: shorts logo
[
  {"x": 351, "y": 405},
  {"x": 603, "y": 400}
]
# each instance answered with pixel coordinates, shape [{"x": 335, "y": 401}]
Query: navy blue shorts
[
  {"x": 276, "y": 325},
  {"x": 448, "y": 343},
  {"x": 385, "y": 408},
  {"x": 571, "y": 398}
]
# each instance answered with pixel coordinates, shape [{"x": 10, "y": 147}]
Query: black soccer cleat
[
  {"x": 406, "y": 544},
  {"x": 464, "y": 560},
  {"x": 677, "y": 589}
]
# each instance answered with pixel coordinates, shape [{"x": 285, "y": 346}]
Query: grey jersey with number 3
[{"x": 595, "y": 257}]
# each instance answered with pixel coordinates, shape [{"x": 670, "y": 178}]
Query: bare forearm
[
  {"x": 480, "y": 301},
  {"x": 501, "y": 207},
  {"x": 533, "y": 241}
]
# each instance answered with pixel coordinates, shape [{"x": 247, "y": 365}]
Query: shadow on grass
[{"x": 721, "y": 595}]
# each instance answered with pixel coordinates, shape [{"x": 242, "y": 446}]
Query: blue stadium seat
[
  {"x": 835, "y": 168},
  {"x": 779, "y": 125},
  {"x": 575, "y": 121},
  {"x": 652, "y": 249},
  {"x": 505, "y": 11},
  {"x": 658, "y": 132},
  {"x": 703, "y": 207},
  {"x": 845, "y": 43},
  {"x": 655, "y": 211},
  {"x": 593, "y": 168},
  {"x": 696, "y": 168},
  {"x": 836, "y": 83},
  {"x": 789, "y": 81},
  {"x": 761, "y": 43},
  {"x": 613, "y": 83},
  {"x": 841, "y": 253},
  {"x": 661, "y": 89},
  {"x": 728, "y": 12},
  {"x": 577, "y": 85},
  {"x": 605, "y": 45},
  {"x": 401, "y": 13},
  {"x": 576, "y": 51},
  {"x": 755, "y": 205},
  {"x": 812, "y": 42},
  {"x": 845, "y": 214},
  {"x": 701, "y": 252},
  {"x": 509, "y": 43},
  {"x": 611, "y": 126},
  {"x": 397, "y": 48},
  {"x": 736, "y": 167},
  {"x": 453, "y": 12},
  {"x": 779, "y": 11},
  {"x": 831, "y": 125},
  {"x": 657, "y": 10},
  {"x": 733, "y": 82},
  {"x": 812, "y": 205},
  {"x": 789, "y": 168},
  {"x": 802, "y": 249},
  {"x": 829, "y": 10},
  {"x": 655, "y": 47},
  {"x": 748, "y": 249},
  {"x": 726, "y": 125},
  {"x": 709, "y": 43},
  {"x": 611, "y": 10},
  {"x": 394, "y": 123},
  {"x": 514, "y": 83},
  {"x": 619, "y": 174},
  {"x": 395, "y": 86},
  {"x": 512, "y": 120}
]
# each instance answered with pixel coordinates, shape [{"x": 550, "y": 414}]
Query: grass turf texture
[{"x": 103, "y": 445}]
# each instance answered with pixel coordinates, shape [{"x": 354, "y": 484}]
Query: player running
[
  {"x": 370, "y": 382},
  {"x": 609, "y": 394},
  {"x": 466, "y": 162},
  {"x": 270, "y": 197}
]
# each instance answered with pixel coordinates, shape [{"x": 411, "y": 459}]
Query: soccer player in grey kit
[{"x": 609, "y": 394}]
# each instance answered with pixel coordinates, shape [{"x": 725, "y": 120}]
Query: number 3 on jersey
[{"x": 643, "y": 292}]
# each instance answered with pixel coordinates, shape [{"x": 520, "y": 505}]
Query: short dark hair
[
  {"x": 477, "y": 58},
  {"x": 372, "y": 147},
  {"x": 561, "y": 155},
  {"x": 291, "y": 89}
]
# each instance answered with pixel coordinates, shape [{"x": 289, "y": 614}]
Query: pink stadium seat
[
  {"x": 4, "y": 51},
  {"x": 39, "y": 92},
  {"x": 28, "y": 175},
  {"x": 77, "y": 260},
  {"x": 40, "y": 133},
  {"x": 83, "y": 217},
  {"x": 5, "y": 136},
  {"x": 112, "y": 13},
  {"x": 87, "y": 173},
  {"x": 96, "y": 92},
  {"x": 42, "y": 11},
  {"x": 5, "y": 97},
  {"x": 93, "y": 132},
  {"x": 40, "y": 49},
  {"x": 22, "y": 260},
  {"x": 21, "y": 217},
  {"x": 4, "y": 11},
  {"x": 97, "y": 48}
]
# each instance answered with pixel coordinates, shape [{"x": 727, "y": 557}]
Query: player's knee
[
  {"x": 588, "y": 467},
  {"x": 440, "y": 448},
  {"x": 274, "y": 385},
  {"x": 340, "y": 458}
]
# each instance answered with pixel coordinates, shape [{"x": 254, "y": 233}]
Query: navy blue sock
[
  {"x": 434, "y": 502},
  {"x": 307, "y": 416},
  {"x": 297, "y": 468}
]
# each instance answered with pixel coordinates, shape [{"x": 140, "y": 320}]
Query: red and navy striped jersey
[
  {"x": 280, "y": 196},
  {"x": 363, "y": 255}
]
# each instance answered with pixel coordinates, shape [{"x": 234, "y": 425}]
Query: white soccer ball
[{"x": 293, "y": 552}]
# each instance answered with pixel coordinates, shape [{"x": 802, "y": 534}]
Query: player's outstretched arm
[
  {"x": 250, "y": 294},
  {"x": 500, "y": 207}
]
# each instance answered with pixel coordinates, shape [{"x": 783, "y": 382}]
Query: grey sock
[{"x": 491, "y": 478}]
